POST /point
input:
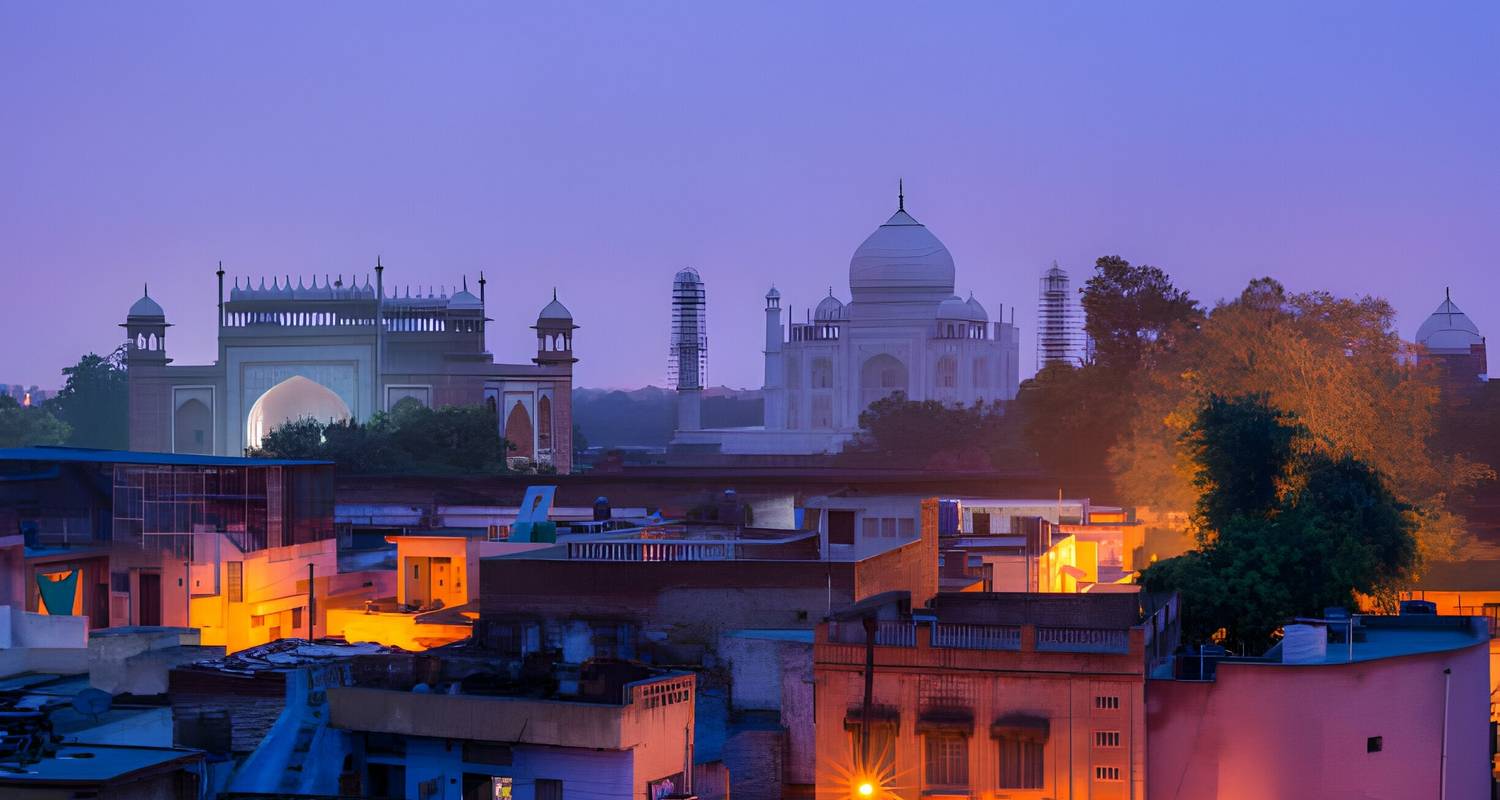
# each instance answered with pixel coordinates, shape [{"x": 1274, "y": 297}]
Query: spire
[
  {"x": 145, "y": 290},
  {"x": 900, "y": 194},
  {"x": 377, "y": 263},
  {"x": 220, "y": 273},
  {"x": 466, "y": 283},
  {"x": 554, "y": 293}
]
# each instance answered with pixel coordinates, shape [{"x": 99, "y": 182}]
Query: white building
[{"x": 903, "y": 330}]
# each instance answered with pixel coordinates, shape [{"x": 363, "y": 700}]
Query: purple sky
[{"x": 600, "y": 147}]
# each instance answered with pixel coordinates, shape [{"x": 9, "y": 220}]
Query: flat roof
[
  {"x": 91, "y": 764},
  {"x": 85, "y": 455},
  {"x": 1409, "y": 635}
]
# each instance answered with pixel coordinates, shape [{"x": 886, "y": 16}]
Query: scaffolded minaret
[
  {"x": 687, "y": 355},
  {"x": 1059, "y": 328}
]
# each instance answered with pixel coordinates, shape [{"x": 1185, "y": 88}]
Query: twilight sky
[{"x": 1349, "y": 146}]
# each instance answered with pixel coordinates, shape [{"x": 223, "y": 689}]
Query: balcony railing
[
  {"x": 651, "y": 551},
  {"x": 976, "y": 637},
  {"x": 1082, "y": 640},
  {"x": 887, "y": 634}
]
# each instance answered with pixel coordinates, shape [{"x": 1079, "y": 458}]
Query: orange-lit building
[
  {"x": 242, "y": 549},
  {"x": 990, "y": 696}
]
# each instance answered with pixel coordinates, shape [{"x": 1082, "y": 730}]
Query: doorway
[{"x": 150, "y": 611}]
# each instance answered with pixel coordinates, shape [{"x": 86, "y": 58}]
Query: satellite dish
[{"x": 92, "y": 702}]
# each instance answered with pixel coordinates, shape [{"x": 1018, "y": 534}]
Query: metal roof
[{"x": 85, "y": 455}]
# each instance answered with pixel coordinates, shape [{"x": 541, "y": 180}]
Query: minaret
[
  {"x": 774, "y": 390},
  {"x": 220, "y": 273},
  {"x": 146, "y": 326},
  {"x": 687, "y": 356}
]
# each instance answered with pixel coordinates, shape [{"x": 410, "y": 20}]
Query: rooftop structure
[
  {"x": 1400, "y": 709},
  {"x": 611, "y": 729}
]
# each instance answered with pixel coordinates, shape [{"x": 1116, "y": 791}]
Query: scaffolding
[
  {"x": 1059, "y": 333},
  {"x": 687, "y": 353}
]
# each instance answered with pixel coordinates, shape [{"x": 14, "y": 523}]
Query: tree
[
  {"x": 95, "y": 401},
  {"x": 1132, "y": 312},
  {"x": 412, "y": 438},
  {"x": 1287, "y": 530},
  {"x": 28, "y": 426},
  {"x": 1073, "y": 416},
  {"x": 1332, "y": 362},
  {"x": 917, "y": 432}
]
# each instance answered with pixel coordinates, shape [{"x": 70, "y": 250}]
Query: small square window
[{"x": 1374, "y": 744}]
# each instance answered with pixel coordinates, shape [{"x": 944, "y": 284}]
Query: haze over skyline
[{"x": 1343, "y": 146}]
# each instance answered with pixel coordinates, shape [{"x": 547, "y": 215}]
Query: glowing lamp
[{"x": 866, "y": 789}]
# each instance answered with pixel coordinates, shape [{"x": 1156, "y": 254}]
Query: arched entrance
[
  {"x": 292, "y": 399},
  {"x": 880, "y": 377},
  {"x": 192, "y": 428},
  {"x": 518, "y": 432}
]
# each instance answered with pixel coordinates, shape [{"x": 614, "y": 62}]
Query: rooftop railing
[
  {"x": 976, "y": 637},
  {"x": 887, "y": 633},
  {"x": 651, "y": 551}
]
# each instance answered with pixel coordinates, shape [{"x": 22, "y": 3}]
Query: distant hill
[{"x": 646, "y": 417}]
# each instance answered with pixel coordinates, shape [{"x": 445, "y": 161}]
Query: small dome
[
  {"x": 829, "y": 308},
  {"x": 901, "y": 255},
  {"x": 1448, "y": 330},
  {"x": 555, "y": 311},
  {"x": 146, "y": 307},
  {"x": 462, "y": 299},
  {"x": 687, "y": 275},
  {"x": 774, "y": 294},
  {"x": 976, "y": 311},
  {"x": 954, "y": 308}
]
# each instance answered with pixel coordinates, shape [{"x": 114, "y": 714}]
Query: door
[
  {"x": 150, "y": 612},
  {"x": 418, "y": 581}
]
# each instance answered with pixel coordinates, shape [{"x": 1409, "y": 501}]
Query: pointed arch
[
  {"x": 544, "y": 423},
  {"x": 293, "y": 399},
  {"x": 518, "y": 432}
]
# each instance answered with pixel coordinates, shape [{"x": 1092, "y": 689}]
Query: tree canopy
[
  {"x": 1332, "y": 362},
  {"x": 412, "y": 438},
  {"x": 1286, "y": 528},
  {"x": 923, "y": 433},
  {"x": 95, "y": 402},
  {"x": 29, "y": 426}
]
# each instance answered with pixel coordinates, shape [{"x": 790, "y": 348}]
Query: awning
[
  {"x": 955, "y": 722},
  {"x": 879, "y": 716},
  {"x": 1020, "y": 726}
]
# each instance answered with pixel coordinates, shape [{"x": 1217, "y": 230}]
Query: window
[
  {"x": 119, "y": 582},
  {"x": 841, "y": 527},
  {"x": 981, "y": 523},
  {"x": 1107, "y": 702},
  {"x": 1021, "y": 762},
  {"x": 822, "y": 412},
  {"x": 869, "y": 527},
  {"x": 947, "y": 761},
  {"x": 235, "y": 579},
  {"x": 296, "y": 619},
  {"x": 1374, "y": 744},
  {"x": 907, "y": 526},
  {"x": 822, "y": 373},
  {"x": 947, "y": 372},
  {"x": 548, "y": 789},
  {"x": 1106, "y": 738},
  {"x": 1106, "y": 773}
]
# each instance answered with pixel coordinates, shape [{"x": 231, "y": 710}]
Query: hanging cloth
[{"x": 58, "y": 593}]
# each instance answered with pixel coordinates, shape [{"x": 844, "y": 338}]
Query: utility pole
[{"x": 311, "y": 600}]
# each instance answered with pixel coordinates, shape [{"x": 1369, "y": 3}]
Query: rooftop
[
  {"x": 1396, "y": 636},
  {"x": 84, "y": 455},
  {"x": 75, "y": 764}
]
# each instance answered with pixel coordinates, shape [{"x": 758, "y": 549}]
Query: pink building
[{"x": 1402, "y": 714}]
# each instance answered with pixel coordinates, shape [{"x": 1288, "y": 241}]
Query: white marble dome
[
  {"x": 829, "y": 308},
  {"x": 901, "y": 257},
  {"x": 1448, "y": 330}
]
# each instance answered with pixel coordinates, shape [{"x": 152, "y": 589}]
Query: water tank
[
  {"x": 601, "y": 509},
  {"x": 1304, "y": 644}
]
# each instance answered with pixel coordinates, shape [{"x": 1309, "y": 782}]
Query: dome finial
[
  {"x": 145, "y": 290},
  {"x": 900, "y": 194},
  {"x": 554, "y": 293}
]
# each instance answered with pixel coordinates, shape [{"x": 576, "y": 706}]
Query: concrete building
[
  {"x": 903, "y": 331},
  {"x": 339, "y": 351},
  {"x": 241, "y": 549},
  {"x": 989, "y": 695},
  {"x": 1400, "y": 712},
  {"x": 617, "y": 730}
]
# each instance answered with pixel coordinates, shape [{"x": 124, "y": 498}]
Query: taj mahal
[
  {"x": 340, "y": 351},
  {"x": 903, "y": 330}
]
